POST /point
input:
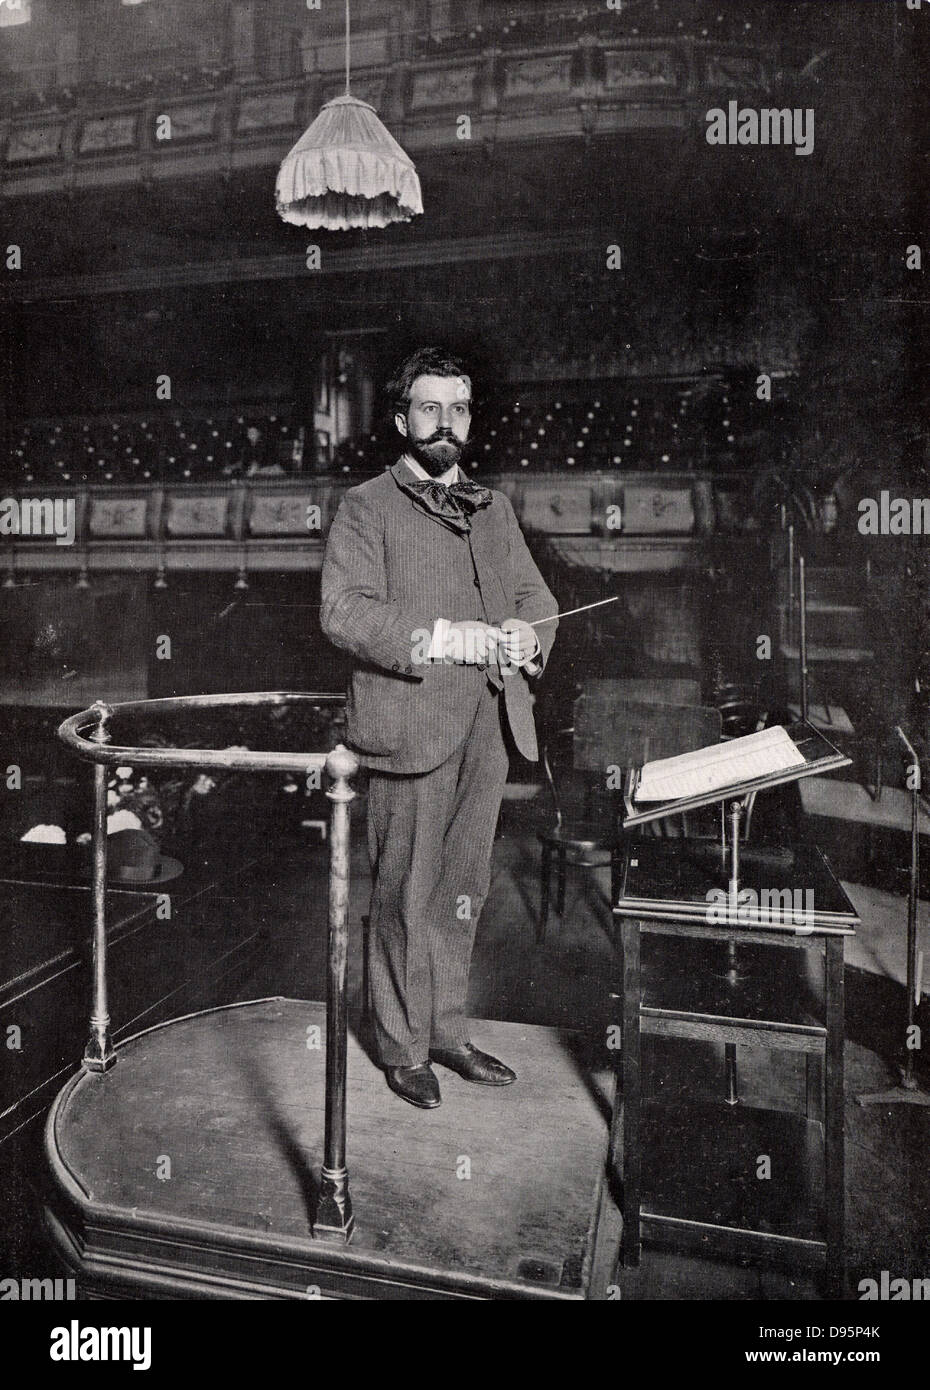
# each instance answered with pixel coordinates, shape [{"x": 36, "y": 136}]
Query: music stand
[{"x": 819, "y": 756}]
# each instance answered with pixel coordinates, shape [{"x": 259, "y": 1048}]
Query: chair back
[
  {"x": 548, "y": 751},
  {"x": 616, "y": 732},
  {"x": 645, "y": 690}
]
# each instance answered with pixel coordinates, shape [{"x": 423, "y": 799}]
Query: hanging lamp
[{"x": 347, "y": 170}]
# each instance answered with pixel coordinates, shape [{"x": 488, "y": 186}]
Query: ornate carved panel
[
  {"x": 266, "y": 110},
  {"x": 108, "y": 133},
  {"x": 657, "y": 511},
  {"x": 197, "y": 516},
  {"x": 34, "y": 142},
  {"x": 443, "y": 86},
  {"x": 556, "y": 506},
  {"x": 530, "y": 77},
  {"x": 734, "y": 70},
  {"x": 194, "y": 121},
  {"x": 290, "y": 514},
  {"x": 636, "y": 68}
]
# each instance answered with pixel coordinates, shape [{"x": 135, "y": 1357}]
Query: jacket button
[
  {"x": 395, "y": 667},
  {"x": 477, "y": 582}
]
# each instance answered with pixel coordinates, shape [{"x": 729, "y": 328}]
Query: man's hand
[
  {"x": 520, "y": 643},
  {"x": 471, "y": 643}
]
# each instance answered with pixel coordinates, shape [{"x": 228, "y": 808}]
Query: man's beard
[{"x": 436, "y": 461}]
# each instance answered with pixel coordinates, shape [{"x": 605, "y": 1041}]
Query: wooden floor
[
  {"x": 191, "y": 1167},
  {"x": 159, "y": 967},
  {"x": 848, "y": 801},
  {"x": 560, "y": 988}
]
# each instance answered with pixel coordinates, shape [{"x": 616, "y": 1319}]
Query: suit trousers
[{"x": 430, "y": 837}]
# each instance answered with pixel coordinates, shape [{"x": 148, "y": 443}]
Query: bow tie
[{"x": 453, "y": 502}]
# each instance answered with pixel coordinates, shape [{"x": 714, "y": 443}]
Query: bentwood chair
[
  {"x": 582, "y": 840},
  {"x": 609, "y": 735}
]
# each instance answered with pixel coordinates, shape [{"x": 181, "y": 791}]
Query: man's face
[
  {"x": 253, "y": 435},
  {"x": 437, "y": 421}
]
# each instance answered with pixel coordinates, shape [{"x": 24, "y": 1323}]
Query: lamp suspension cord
[{"x": 348, "y": 29}]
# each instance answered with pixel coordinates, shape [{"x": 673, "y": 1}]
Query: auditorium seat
[{"x": 647, "y": 426}]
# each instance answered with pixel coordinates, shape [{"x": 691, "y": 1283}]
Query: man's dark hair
[{"x": 427, "y": 361}]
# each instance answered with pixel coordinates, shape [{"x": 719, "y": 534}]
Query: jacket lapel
[
  {"x": 484, "y": 542},
  {"x": 486, "y": 553}
]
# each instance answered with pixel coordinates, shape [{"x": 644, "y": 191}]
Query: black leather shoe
[
  {"x": 473, "y": 1065},
  {"x": 418, "y": 1085}
]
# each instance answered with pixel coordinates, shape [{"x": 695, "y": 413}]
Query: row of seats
[
  {"x": 638, "y": 433},
  {"x": 39, "y": 90},
  {"x": 668, "y": 431},
  {"x": 38, "y": 97},
  {"x": 631, "y": 19},
  {"x": 174, "y": 448}
]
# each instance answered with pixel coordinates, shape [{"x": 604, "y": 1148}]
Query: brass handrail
[
  {"x": 231, "y": 760},
  {"x": 333, "y": 1217}
]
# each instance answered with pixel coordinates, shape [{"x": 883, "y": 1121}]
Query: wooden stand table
[{"x": 764, "y": 970}]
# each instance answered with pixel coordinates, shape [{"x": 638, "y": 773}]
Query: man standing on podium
[{"x": 428, "y": 582}]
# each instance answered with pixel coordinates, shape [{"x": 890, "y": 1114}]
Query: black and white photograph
[{"x": 465, "y": 665}]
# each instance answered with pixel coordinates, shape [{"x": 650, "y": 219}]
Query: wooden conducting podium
[
  {"x": 209, "y": 1157},
  {"x": 745, "y": 949}
]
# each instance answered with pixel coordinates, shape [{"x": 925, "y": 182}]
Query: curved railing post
[
  {"x": 334, "y": 1209},
  {"x": 334, "y": 1219},
  {"x": 99, "y": 1054}
]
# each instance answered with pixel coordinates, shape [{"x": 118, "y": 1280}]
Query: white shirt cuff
[
  {"x": 532, "y": 656},
  {"x": 437, "y": 647}
]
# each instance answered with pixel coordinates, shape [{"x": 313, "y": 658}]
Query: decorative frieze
[
  {"x": 266, "y": 110},
  {"x": 636, "y": 69},
  {"x": 197, "y": 516},
  {"x": 289, "y": 514},
  {"x": 35, "y": 142},
  {"x": 118, "y": 517},
  {"x": 193, "y": 121},
  {"x": 564, "y": 508},
  {"x": 549, "y": 75},
  {"x": 104, "y": 133},
  {"x": 443, "y": 86}
]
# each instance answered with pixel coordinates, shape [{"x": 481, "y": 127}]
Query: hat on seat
[{"x": 133, "y": 856}]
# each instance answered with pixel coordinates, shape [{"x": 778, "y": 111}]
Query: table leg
[
  {"x": 616, "y": 873},
  {"x": 834, "y": 1175},
  {"x": 627, "y": 1128},
  {"x": 814, "y": 1086}
]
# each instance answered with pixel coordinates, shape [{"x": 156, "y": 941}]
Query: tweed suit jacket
[{"x": 391, "y": 569}]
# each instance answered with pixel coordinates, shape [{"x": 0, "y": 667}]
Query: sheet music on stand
[{"x": 726, "y": 771}]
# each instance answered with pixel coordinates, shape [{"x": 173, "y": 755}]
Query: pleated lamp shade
[{"x": 347, "y": 170}]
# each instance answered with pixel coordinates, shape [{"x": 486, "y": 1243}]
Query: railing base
[
  {"x": 99, "y": 1054},
  {"x": 334, "y": 1219}
]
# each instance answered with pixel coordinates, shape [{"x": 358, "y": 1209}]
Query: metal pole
[
  {"x": 802, "y": 603},
  {"x": 99, "y": 1055},
  {"x": 334, "y": 1219},
  {"x": 908, "y": 1079},
  {"x": 733, "y": 975},
  {"x": 790, "y": 583},
  {"x": 736, "y": 812}
]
